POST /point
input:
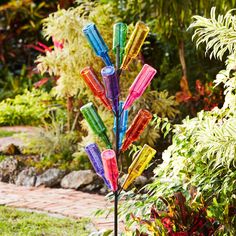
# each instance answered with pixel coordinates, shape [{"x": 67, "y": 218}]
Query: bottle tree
[{"x": 105, "y": 162}]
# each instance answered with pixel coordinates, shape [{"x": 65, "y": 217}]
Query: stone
[
  {"x": 94, "y": 186},
  {"x": 26, "y": 177},
  {"x": 141, "y": 180},
  {"x": 9, "y": 169},
  {"x": 11, "y": 149},
  {"x": 152, "y": 179},
  {"x": 50, "y": 178},
  {"x": 77, "y": 179},
  {"x": 104, "y": 190}
]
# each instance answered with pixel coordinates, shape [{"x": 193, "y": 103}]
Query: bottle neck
[
  {"x": 106, "y": 59},
  {"x": 129, "y": 101},
  {"x": 105, "y": 101},
  {"x": 106, "y": 181},
  {"x": 126, "y": 62},
  {"x": 115, "y": 105},
  {"x": 128, "y": 180},
  {"x": 105, "y": 139},
  {"x": 126, "y": 144}
]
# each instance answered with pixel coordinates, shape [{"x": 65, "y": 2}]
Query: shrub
[
  {"x": 178, "y": 219},
  {"x": 30, "y": 108},
  {"x": 55, "y": 146}
]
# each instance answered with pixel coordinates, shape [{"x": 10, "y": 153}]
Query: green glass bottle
[
  {"x": 95, "y": 122},
  {"x": 119, "y": 39}
]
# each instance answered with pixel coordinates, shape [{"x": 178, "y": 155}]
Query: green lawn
[
  {"x": 6, "y": 133},
  {"x": 19, "y": 223}
]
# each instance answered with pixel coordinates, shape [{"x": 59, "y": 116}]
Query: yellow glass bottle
[
  {"x": 135, "y": 43},
  {"x": 139, "y": 164}
]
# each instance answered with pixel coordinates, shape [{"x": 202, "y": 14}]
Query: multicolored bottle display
[{"x": 108, "y": 91}]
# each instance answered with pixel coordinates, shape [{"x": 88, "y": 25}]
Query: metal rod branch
[{"x": 117, "y": 116}]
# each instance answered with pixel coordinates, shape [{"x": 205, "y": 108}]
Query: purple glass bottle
[
  {"x": 112, "y": 86},
  {"x": 94, "y": 155}
]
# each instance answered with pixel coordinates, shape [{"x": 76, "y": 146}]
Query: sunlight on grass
[
  {"x": 20, "y": 223},
  {"x": 6, "y": 133}
]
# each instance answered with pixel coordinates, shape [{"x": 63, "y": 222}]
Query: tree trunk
[
  {"x": 65, "y": 3},
  {"x": 182, "y": 58},
  {"x": 185, "y": 93},
  {"x": 69, "y": 104}
]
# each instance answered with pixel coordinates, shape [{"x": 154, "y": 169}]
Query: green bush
[{"x": 30, "y": 108}]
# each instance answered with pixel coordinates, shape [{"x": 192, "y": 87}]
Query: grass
[
  {"x": 19, "y": 223},
  {"x": 6, "y": 133},
  {"x": 2, "y": 158}
]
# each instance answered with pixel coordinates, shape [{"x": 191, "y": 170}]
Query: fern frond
[
  {"x": 218, "y": 33},
  {"x": 217, "y": 141}
]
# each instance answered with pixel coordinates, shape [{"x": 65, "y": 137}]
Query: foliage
[
  {"x": 160, "y": 104},
  {"x": 223, "y": 27},
  {"x": 55, "y": 147},
  {"x": 2, "y": 157},
  {"x": 30, "y": 108},
  {"x": 178, "y": 219},
  {"x": 217, "y": 33},
  {"x": 171, "y": 17},
  {"x": 15, "y": 222},
  {"x": 205, "y": 97},
  {"x": 12, "y": 84},
  {"x": 104, "y": 232},
  {"x": 201, "y": 158},
  {"x": 20, "y": 23}
]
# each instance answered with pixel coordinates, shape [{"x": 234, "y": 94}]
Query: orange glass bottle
[
  {"x": 139, "y": 123},
  {"x": 95, "y": 85}
]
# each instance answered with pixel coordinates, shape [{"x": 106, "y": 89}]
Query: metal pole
[
  {"x": 116, "y": 214},
  {"x": 117, "y": 115}
]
